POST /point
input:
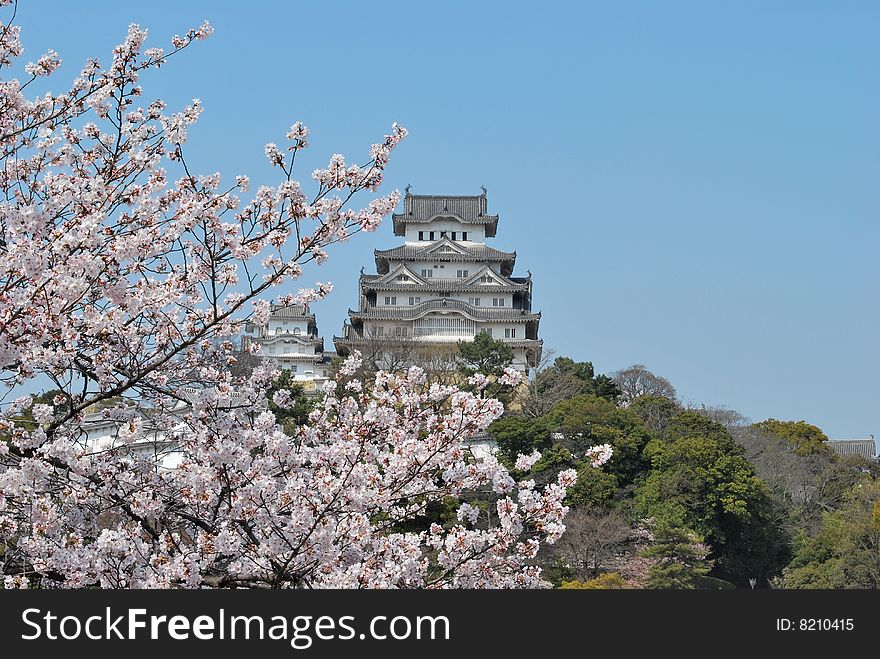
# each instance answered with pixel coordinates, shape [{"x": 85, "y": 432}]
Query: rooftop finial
[
  {"x": 406, "y": 189},
  {"x": 483, "y": 188}
]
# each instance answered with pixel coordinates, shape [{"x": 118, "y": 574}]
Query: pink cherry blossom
[
  {"x": 510, "y": 377},
  {"x": 526, "y": 462},
  {"x": 126, "y": 280}
]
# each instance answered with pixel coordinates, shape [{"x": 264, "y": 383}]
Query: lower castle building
[{"x": 291, "y": 338}]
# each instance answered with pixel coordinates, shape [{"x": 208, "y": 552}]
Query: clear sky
[{"x": 694, "y": 185}]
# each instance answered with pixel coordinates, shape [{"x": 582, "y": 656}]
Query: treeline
[{"x": 693, "y": 498}]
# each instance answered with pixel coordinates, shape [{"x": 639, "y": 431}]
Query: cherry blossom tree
[{"x": 124, "y": 280}]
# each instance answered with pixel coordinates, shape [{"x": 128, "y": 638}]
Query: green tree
[
  {"x": 681, "y": 558},
  {"x": 655, "y": 411},
  {"x": 484, "y": 355},
  {"x": 693, "y": 424},
  {"x": 296, "y": 412},
  {"x": 699, "y": 480},
  {"x": 846, "y": 551},
  {"x": 25, "y": 419},
  {"x": 807, "y": 438},
  {"x": 518, "y": 434},
  {"x": 588, "y": 420},
  {"x": 601, "y": 386},
  {"x": 576, "y": 425},
  {"x": 489, "y": 357},
  {"x": 563, "y": 380},
  {"x": 595, "y": 488}
]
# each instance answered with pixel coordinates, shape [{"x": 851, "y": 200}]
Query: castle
[{"x": 443, "y": 285}]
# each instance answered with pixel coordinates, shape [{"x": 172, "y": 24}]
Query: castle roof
[
  {"x": 291, "y": 311},
  {"x": 444, "y": 250},
  {"x": 468, "y": 209},
  {"x": 402, "y": 279},
  {"x": 445, "y": 306},
  {"x": 371, "y": 282},
  {"x": 285, "y": 312},
  {"x": 846, "y": 447}
]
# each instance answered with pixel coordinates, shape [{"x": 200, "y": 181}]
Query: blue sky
[{"x": 694, "y": 185}]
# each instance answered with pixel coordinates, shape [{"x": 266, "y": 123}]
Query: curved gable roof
[
  {"x": 415, "y": 252},
  {"x": 392, "y": 275}
]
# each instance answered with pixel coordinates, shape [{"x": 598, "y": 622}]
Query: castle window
[
  {"x": 462, "y": 273},
  {"x": 427, "y": 273},
  {"x": 497, "y": 301},
  {"x": 432, "y": 235},
  {"x": 421, "y": 235},
  {"x": 414, "y": 300},
  {"x": 296, "y": 330},
  {"x": 464, "y": 235},
  {"x": 487, "y": 331},
  {"x": 390, "y": 300},
  {"x": 442, "y": 234},
  {"x": 474, "y": 301},
  {"x": 509, "y": 332}
]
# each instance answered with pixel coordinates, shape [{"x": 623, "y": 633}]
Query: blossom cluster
[
  {"x": 249, "y": 505},
  {"x": 600, "y": 454}
]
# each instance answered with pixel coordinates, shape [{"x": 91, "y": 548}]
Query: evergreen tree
[
  {"x": 680, "y": 555},
  {"x": 484, "y": 355}
]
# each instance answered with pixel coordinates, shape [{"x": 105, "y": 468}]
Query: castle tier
[{"x": 444, "y": 284}]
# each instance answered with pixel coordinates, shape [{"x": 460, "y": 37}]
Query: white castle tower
[{"x": 444, "y": 284}]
